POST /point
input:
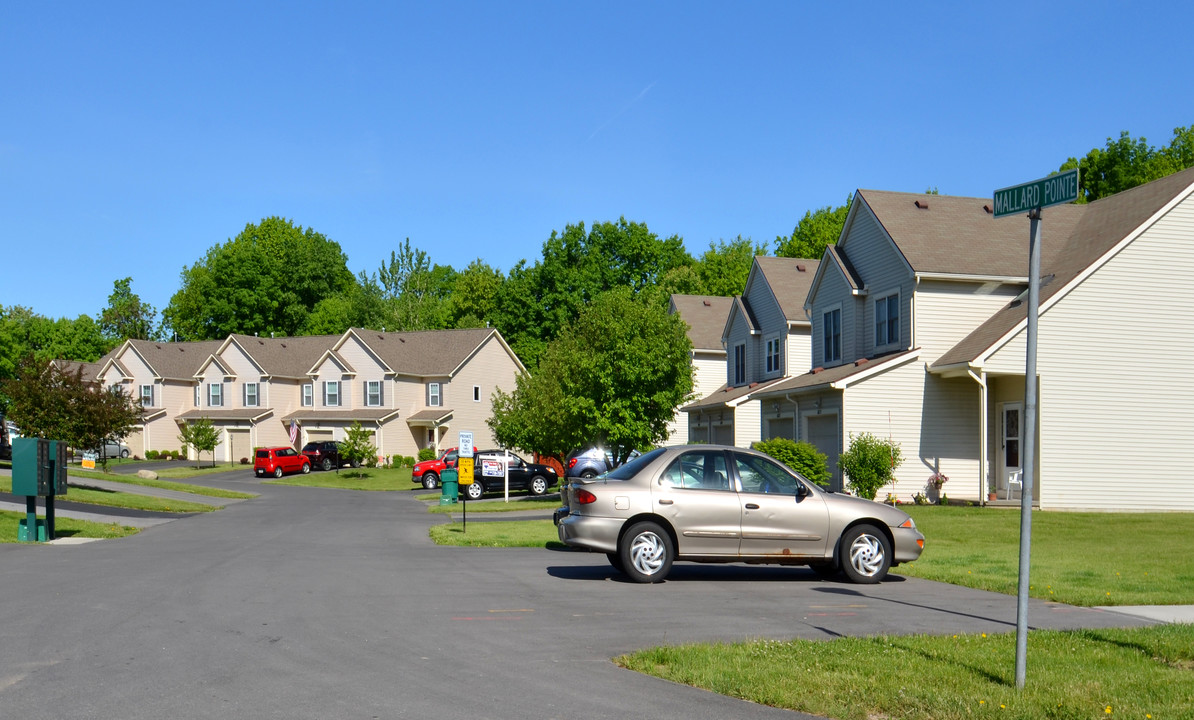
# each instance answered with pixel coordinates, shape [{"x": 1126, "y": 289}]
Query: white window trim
[
  {"x": 840, "y": 333},
  {"x": 307, "y": 395},
  {"x": 370, "y": 401},
  {"x": 435, "y": 395},
  {"x": 198, "y": 395},
  {"x": 143, "y": 398},
  {"x": 329, "y": 384},
  {"x": 256, "y": 395},
  {"x": 214, "y": 390},
  {"x": 885, "y": 298}
]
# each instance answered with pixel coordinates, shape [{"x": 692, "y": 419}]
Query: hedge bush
[
  {"x": 870, "y": 463},
  {"x": 152, "y": 454},
  {"x": 803, "y": 457},
  {"x": 426, "y": 454}
]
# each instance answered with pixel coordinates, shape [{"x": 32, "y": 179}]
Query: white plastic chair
[{"x": 1015, "y": 478}]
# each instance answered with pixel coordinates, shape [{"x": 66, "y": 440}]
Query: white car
[{"x": 113, "y": 449}]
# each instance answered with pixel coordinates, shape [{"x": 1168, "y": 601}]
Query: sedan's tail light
[{"x": 584, "y": 497}]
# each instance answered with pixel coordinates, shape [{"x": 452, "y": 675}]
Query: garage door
[
  {"x": 822, "y": 432},
  {"x": 318, "y": 435},
  {"x": 241, "y": 447},
  {"x": 723, "y": 434}
]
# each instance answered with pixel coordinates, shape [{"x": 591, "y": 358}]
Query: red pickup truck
[{"x": 427, "y": 472}]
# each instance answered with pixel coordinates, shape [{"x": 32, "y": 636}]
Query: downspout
[
  {"x": 981, "y": 379},
  {"x": 912, "y": 318}
]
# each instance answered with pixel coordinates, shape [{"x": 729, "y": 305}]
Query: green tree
[
  {"x": 356, "y": 447},
  {"x": 870, "y": 463},
  {"x": 415, "y": 292},
  {"x": 817, "y": 230},
  {"x": 724, "y": 267},
  {"x": 126, "y": 316},
  {"x": 24, "y": 333},
  {"x": 803, "y": 457},
  {"x": 474, "y": 295},
  {"x": 1127, "y": 162},
  {"x": 268, "y": 279},
  {"x": 613, "y": 377},
  {"x": 49, "y": 402},
  {"x": 200, "y": 434},
  {"x": 359, "y": 305}
]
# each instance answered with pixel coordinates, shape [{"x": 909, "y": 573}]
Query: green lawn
[
  {"x": 397, "y": 478},
  {"x": 109, "y": 498},
  {"x": 179, "y": 470},
  {"x": 1142, "y": 673},
  {"x": 516, "y": 504},
  {"x": 1077, "y": 558},
  {"x": 63, "y": 527},
  {"x": 164, "y": 485},
  {"x": 515, "y": 533}
]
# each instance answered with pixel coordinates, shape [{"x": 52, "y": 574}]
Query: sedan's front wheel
[
  {"x": 306, "y": 468},
  {"x": 647, "y": 553},
  {"x": 866, "y": 554}
]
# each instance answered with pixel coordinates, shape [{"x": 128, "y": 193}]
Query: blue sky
[{"x": 134, "y": 136}]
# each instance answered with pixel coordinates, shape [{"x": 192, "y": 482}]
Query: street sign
[
  {"x": 1053, "y": 190},
  {"x": 466, "y": 444},
  {"x": 464, "y": 471}
]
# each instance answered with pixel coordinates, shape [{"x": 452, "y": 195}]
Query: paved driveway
[{"x": 315, "y": 603}]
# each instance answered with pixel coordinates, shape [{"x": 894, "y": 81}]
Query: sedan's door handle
[
  {"x": 664, "y": 501},
  {"x": 751, "y": 506}
]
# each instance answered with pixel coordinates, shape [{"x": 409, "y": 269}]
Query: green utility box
[
  {"x": 23, "y": 531},
  {"x": 38, "y": 467},
  {"x": 450, "y": 487}
]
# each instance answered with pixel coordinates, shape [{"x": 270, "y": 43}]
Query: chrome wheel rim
[
  {"x": 539, "y": 486},
  {"x": 475, "y": 491},
  {"x": 647, "y": 553},
  {"x": 866, "y": 555}
]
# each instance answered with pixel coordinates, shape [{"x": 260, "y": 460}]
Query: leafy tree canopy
[
  {"x": 357, "y": 448},
  {"x": 127, "y": 316},
  {"x": 817, "y": 230},
  {"x": 1127, "y": 162},
  {"x": 202, "y": 435},
  {"x": 614, "y": 377},
  {"x": 268, "y": 279}
]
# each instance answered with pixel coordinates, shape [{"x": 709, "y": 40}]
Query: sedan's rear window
[{"x": 630, "y": 469}]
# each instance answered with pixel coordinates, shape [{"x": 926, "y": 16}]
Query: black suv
[
  {"x": 324, "y": 454},
  {"x": 523, "y": 475}
]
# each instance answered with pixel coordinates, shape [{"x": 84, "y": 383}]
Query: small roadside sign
[
  {"x": 1053, "y": 190},
  {"x": 89, "y": 460},
  {"x": 464, "y": 471},
  {"x": 466, "y": 444}
]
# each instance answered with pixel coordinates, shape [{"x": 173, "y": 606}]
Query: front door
[{"x": 1010, "y": 439}]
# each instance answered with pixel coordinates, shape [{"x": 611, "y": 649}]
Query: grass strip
[
  {"x": 166, "y": 485},
  {"x": 1077, "y": 558},
  {"x": 109, "y": 498},
  {"x": 63, "y": 527},
  {"x": 1138, "y": 673},
  {"x": 381, "y": 479},
  {"x": 515, "y": 533},
  {"x": 515, "y": 505}
]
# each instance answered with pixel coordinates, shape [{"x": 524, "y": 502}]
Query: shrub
[
  {"x": 244, "y": 461},
  {"x": 152, "y": 455},
  {"x": 803, "y": 457},
  {"x": 408, "y": 461},
  {"x": 136, "y": 457},
  {"x": 426, "y": 454},
  {"x": 869, "y": 463}
]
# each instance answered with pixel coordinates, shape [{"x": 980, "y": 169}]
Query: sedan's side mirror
[{"x": 801, "y": 490}]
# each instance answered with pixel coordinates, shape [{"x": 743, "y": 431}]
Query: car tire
[
  {"x": 865, "y": 554},
  {"x": 124, "y": 454},
  {"x": 588, "y": 474},
  {"x": 355, "y": 463},
  {"x": 326, "y": 464},
  {"x": 538, "y": 485},
  {"x": 430, "y": 481},
  {"x": 474, "y": 491},
  {"x": 615, "y": 559},
  {"x": 646, "y": 553},
  {"x": 278, "y": 472},
  {"x": 306, "y": 468}
]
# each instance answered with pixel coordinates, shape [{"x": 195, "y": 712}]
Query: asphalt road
[{"x": 315, "y": 603}]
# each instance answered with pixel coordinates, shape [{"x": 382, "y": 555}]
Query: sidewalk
[{"x": 1160, "y": 613}]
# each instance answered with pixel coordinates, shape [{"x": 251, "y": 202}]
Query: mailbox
[{"x": 38, "y": 467}]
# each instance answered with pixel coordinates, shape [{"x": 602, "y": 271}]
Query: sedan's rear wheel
[
  {"x": 865, "y": 554},
  {"x": 326, "y": 464},
  {"x": 538, "y": 485},
  {"x": 430, "y": 480},
  {"x": 278, "y": 471},
  {"x": 474, "y": 491},
  {"x": 646, "y": 553}
]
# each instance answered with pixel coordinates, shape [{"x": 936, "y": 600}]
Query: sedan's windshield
[{"x": 630, "y": 469}]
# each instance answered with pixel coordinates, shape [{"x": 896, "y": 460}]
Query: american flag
[{"x": 293, "y": 431}]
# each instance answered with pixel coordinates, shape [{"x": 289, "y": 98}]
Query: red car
[
  {"x": 428, "y": 471},
  {"x": 279, "y": 460}
]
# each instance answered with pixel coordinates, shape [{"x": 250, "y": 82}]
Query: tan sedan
[{"x": 717, "y": 504}]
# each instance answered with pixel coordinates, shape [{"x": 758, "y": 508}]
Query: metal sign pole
[{"x": 1028, "y": 459}]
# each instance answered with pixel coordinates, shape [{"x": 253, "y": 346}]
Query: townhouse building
[{"x": 705, "y": 316}]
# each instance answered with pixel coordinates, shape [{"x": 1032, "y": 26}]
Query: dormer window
[
  {"x": 831, "y": 339},
  {"x": 331, "y": 393},
  {"x": 739, "y": 364},
  {"x": 215, "y": 395}
]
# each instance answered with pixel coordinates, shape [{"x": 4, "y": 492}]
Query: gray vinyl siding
[
  {"x": 946, "y": 312},
  {"x": 772, "y": 323},
  {"x": 833, "y": 290},
  {"x": 739, "y": 332},
  {"x": 1116, "y": 400},
  {"x": 883, "y": 270}
]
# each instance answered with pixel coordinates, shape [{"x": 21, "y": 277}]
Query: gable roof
[
  {"x": 706, "y": 317},
  {"x": 789, "y": 280},
  {"x": 840, "y": 376},
  {"x": 1102, "y": 227},
  {"x": 174, "y": 360},
  {"x": 427, "y": 353},
  {"x": 947, "y": 235},
  {"x": 284, "y": 357},
  {"x": 730, "y": 396}
]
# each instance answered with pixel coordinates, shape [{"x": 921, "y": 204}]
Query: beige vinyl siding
[
  {"x": 748, "y": 425},
  {"x": 330, "y": 371},
  {"x": 833, "y": 291},
  {"x": 368, "y": 368},
  {"x": 708, "y": 374},
  {"x": 946, "y": 312},
  {"x": 1117, "y": 404},
  {"x": 244, "y": 371},
  {"x": 798, "y": 351},
  {"x": 935, "y": 422},
  {"x": 492, "y": 368}
]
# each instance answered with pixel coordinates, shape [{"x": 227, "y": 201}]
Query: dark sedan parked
[{"x": 523, "y": 475}]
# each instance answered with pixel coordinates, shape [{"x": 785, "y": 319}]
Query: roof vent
[
  {"x": 859, "y": 361},
  {"x": 988, "y": 209},
  {"x": 799, "y": 268},
  {"x": 816, "y": 370},
  {"x": 922, "y": 204}
]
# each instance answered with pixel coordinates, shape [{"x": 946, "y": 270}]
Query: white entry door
[{"x": 1011, "y": 438}]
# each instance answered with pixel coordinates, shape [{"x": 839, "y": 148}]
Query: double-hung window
[
  {"x": 434, "y": 398},
  {"x": 215, "y": 394},
  {"x": 739, "y": 364},
  {"x": 774, "y": 354},
  {"x": 308, "y": 395},
  {"x": 832, "y": 336},
  {"x": 198, "y": 391},
  {"x": 147, "y": 395},
  {"x": 373, "y": 393},
  {"x": 887, "y": 320},
  {"x": 331, "y": 393},
  {"x": 250, "y": 395}
]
